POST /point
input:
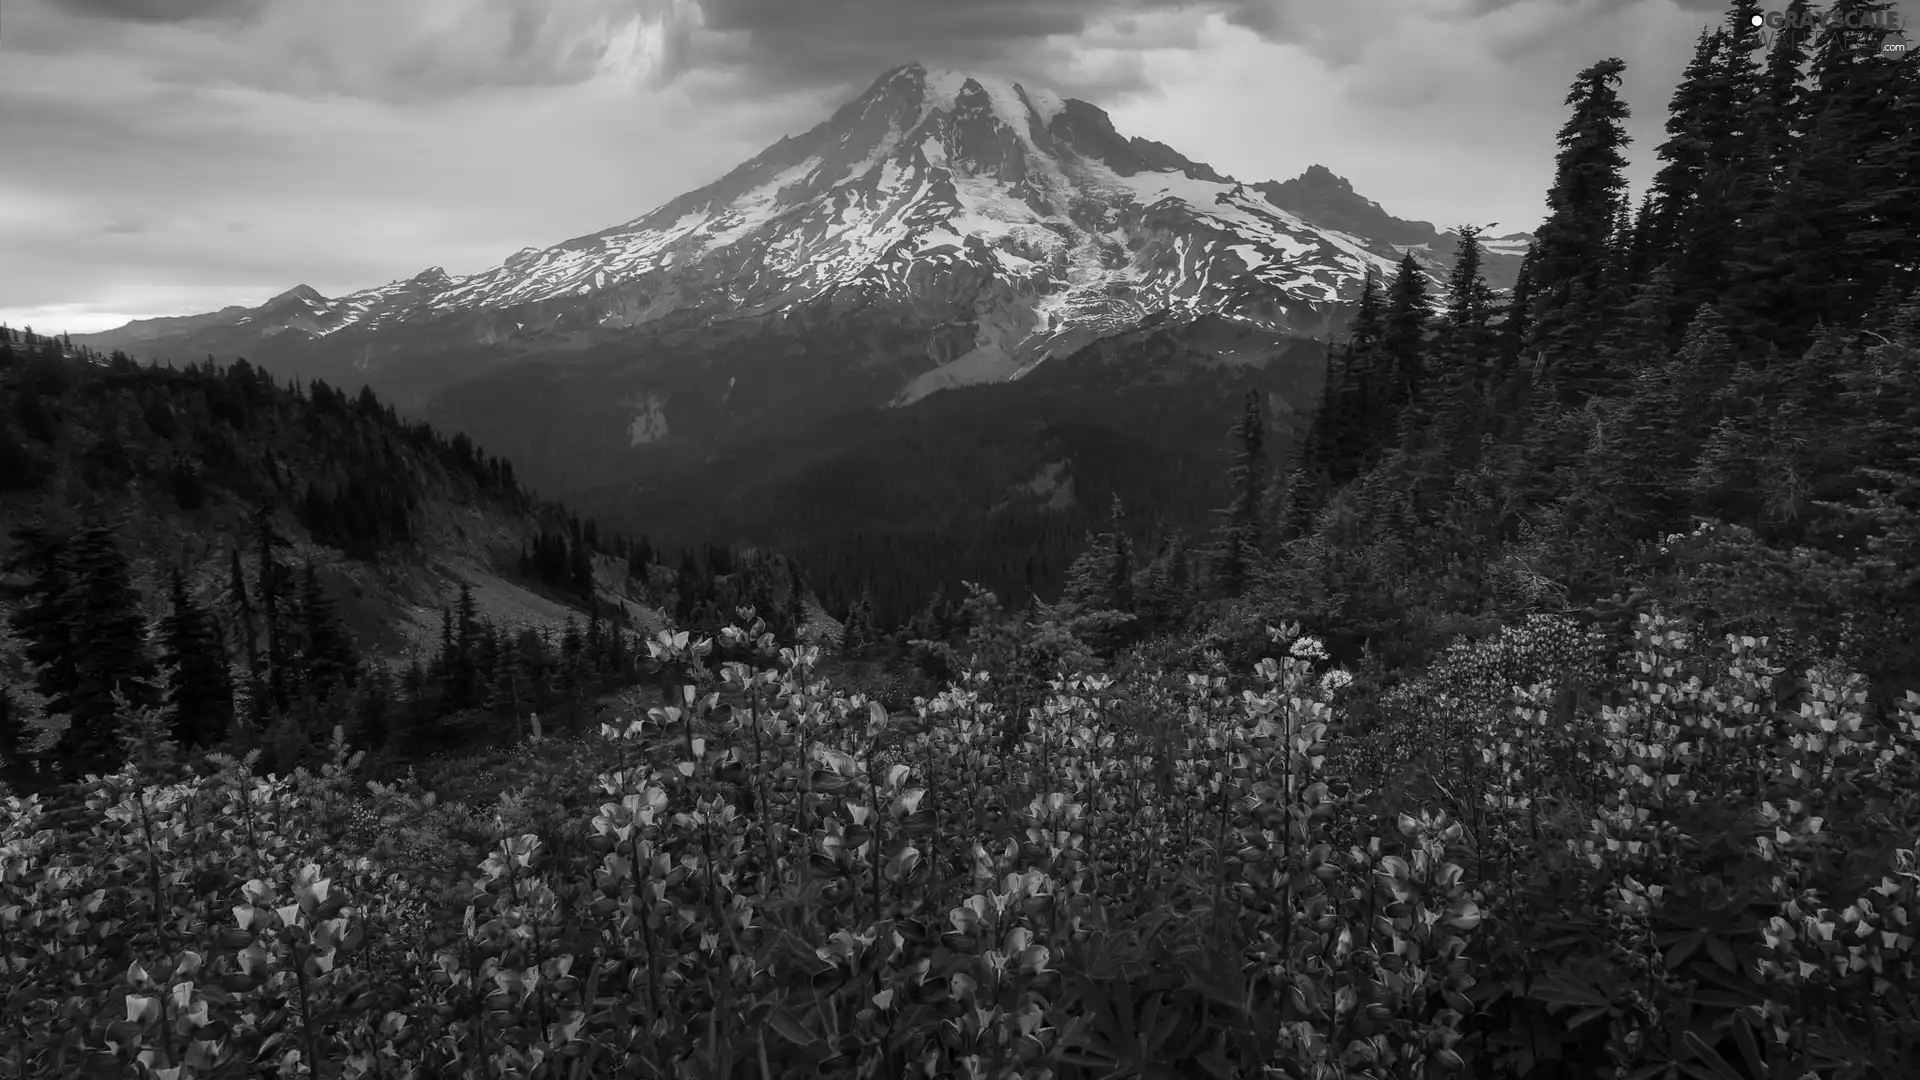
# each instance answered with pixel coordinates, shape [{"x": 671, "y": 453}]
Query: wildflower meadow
[{"x": 1705, "y": 869}]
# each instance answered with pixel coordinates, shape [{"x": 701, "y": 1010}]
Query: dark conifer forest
[
  {"x": 1543, "y": 704},
  {"x": 200, "y": 481}
]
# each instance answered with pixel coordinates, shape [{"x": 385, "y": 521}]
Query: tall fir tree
[
  {"x": 1101, "y": 578},
  {"x": 858, "y": 629},
  {"x": 1573, "y": 245},
  {"x": 1677, "y": 185},
  {"x": 111, "y": 656},
  {"x": 1464, "y": 354},
  {"x": 1238, "y": 541},
  {"x": 1510, "y": 377},
  {"x": 269, "y": 588},
  {"x": 42, "y": 614},
  {"x": 1733, "y": 165},
  {"x": 332, "y": 664},
  {"x": 253, "y": 710},
  {"x": 1842, "y": 223},
  {"x": 1402, "y": 346},
  {"x": 199, "y": 686},
  {"x": 1351, "y": 405},
  {"x": 580, "y": 560}
]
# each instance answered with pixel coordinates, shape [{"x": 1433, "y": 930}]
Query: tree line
[{"x": 153, "y": 566}]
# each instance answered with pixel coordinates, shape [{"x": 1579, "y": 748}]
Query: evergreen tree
[
  {"x": 1353, "y": 405},
  {"x": 1677, "y": 186},
  {"x": 1101, "y": 578},
  {"x": 266, "y": 538},
  {"x": 331, "y": 662},
  {"x": 1638, "y": 340},
  {"x": 858, "y": 629},
  {"x": 1464, "y": 351},
  {"x": 1572, "y": 247},
  {"x": 1842, "y": 222},
  {"x": 249, "y": 642},
  {"x": 189, "y": 492},
  {"x": 17, "y": 767},
  {"x": 1732, "y": 163},
  {"x": 1402, "y": 342},
  {"x": 418, "y": 730},
  {"x": 1238, "y": 540},
  {"x": 1165, "y": 596},
  {"x": 1510, "y": 377},
  {"x": 796, "y": 600},
  {"x": 463, "y": 661},
  {"x": 572, "y": 661},
  {"x": 42, "y": 617},
  {"x": 376, "y": 707},
  {"x": 199, "y": 687},
  {"x": 580, "y": 561},
  {"x": 20, "y": 468},
  {"x": 109, "y": 636},
  {"x": 1312, "y": 472},
  {"x": 1781, "y": 116}
]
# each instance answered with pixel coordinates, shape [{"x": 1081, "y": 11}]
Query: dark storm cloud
[
  {"x": 424, "y": 50},
  {"x": 259, "y": 143},
  {"x": 842, "y": 43},
  {"x": 159, "y": 11}
]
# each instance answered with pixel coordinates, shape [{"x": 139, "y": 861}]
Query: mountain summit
[{"x": 1011, "y": 223}]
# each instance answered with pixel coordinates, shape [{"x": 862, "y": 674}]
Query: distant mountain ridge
[
  {"x": 935, "y": 196},
  {"x": 791, "y": 326}
]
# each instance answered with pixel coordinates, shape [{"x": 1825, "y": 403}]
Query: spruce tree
[
  {"x": 1165, "y": 596},
  {"x": 241, "y": 606},
  {"x": 1101, "y": 578},
  {"x": 572, "y": 661},
  {"x": 1314, "y": 458},
  {"x": 331, "y": 662},
  {"x": 1781, "y": 109},
  {"x": 266, "y": 538},
  {"x": 1573, "y": 245},
  {"x": 1238, "y": 540},
  {"x": 42, "y": 615},
  {"x": 580, "y": 561},
  {"x": 1638, "y": 340},
  {"x": 1675, "y": 193},
  {"x": 796, "y": 604},
  {"x": 1402, "y": 344},
  {"x": 416, "y": 730},
  {"x": 1733, "y": 165},
  {"x": 376, "y": 709},
  {"x": 199, "y": 687},
  {"x": 1353, "y": 408},
  {"x": 858, "y": 630},
  {"x": 17, "y": 767},
  {"x": 1463, "y": 351},
  {"x": 1842, "y": 225},
  {"x": 1509, "y": 376},
  {"x": 110, "y": 650}
]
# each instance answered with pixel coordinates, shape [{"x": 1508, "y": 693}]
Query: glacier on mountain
[{"x": 961, "y": 198}]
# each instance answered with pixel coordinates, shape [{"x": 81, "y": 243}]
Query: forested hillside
[
  {"x": 1704, "y": 397},
  {"x": 1552, "y": 712},
  {"x": 261, "y": 562}
]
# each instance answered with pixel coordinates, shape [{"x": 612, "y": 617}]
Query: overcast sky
[{"x": 173, "y": 156}]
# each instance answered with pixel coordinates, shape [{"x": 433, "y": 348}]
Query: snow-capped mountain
[{"x": 936, "y": 197}]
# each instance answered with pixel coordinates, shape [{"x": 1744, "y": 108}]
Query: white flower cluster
[
  {"x": 1334, "y": 679},
  {"x": 1309, "y": 648},
  {"x": 1699, "y": 530}
]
